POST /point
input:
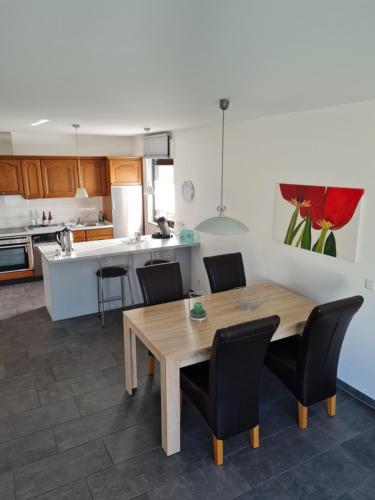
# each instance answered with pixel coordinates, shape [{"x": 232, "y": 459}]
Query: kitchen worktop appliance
[{"x": 16, "y": 252}]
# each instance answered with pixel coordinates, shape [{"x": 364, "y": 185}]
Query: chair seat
[
  {"x": 194, "y": 382},
  {"x": 156, "y": 261},
  {"x": 112, "y": 272},
  {"x": 281, "y": 359}
]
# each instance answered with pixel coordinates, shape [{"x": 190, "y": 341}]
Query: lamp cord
[
  {"x": 78, "y": 159},
  {"x": 222, "y": 161}
]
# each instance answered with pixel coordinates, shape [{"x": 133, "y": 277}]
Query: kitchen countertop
[
  {"x": 106, "y": 248},
  {"x": 13, "y": 231},
  {"x": 24, "y": 231}
]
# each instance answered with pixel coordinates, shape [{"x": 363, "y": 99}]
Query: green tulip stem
[
  {"x": 299, "y": 239},
  {"x": 292, "y": 224},
  {"x": 318, "y": 247}
]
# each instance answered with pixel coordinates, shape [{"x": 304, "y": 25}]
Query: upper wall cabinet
[
  {"x": 125, "y": 171},
  {"x": 93, "y": 176},
  {"x": 10, "y": 176},
  {"x": 32, "y": 178},
  {"x": 57, "y": 177},
  {"x": 60, "y": 177}
]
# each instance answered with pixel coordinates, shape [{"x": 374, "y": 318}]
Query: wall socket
[{"x": 370, "y": 284}]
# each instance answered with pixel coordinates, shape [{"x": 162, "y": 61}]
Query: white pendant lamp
[
  {"x": 80, "y": 191},
  {"x": 222, "y": 225}
]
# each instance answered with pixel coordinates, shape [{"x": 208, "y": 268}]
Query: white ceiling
[{"x": 117, "y": 66}]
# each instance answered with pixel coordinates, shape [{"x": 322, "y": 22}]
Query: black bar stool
[
  {"x": 161, "y": 256},
  {"x": 113, "y": 267}
]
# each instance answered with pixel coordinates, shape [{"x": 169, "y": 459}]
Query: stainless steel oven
[{"x": 16, "y": 253}]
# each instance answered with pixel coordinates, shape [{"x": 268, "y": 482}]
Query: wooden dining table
[{"x": 177, "y": 341}]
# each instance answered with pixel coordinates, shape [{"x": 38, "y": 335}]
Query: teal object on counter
[{"x": 186, "y": 236}]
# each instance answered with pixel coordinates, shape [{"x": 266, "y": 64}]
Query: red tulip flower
[
  {"x": 324, "y": 209},
  {"x": 337, "y": 209},
  {"x": 302, "y": 197}
]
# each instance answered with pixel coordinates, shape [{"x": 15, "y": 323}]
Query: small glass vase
[{"x": 197, "y": 305}]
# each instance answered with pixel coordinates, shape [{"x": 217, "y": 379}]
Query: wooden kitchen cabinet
[
  {"x": 57, "y": 176},
  {"x": 32, "y": 178},
  {"x": 125, "y": 171},
  {"x": 79, "y": 236},
  {"x": 60, "y": 177},
  {"x": 10, "y": 176},
  {"x": 104, "y": 233},
  {"x": 93, "y": 176}
]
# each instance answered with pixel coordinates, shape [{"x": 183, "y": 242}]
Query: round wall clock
[{"x": 187, "y": 191}]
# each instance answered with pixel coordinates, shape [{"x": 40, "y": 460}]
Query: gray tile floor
[{"x": 68, "y": 430}]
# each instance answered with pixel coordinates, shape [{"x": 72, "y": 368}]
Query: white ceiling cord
[{"x": 80, "y": 191}]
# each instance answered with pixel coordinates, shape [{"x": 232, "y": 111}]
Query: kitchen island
[{"x": 70, "y": 282}]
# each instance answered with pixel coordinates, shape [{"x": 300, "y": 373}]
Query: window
[{"x": 162, "y": 173}]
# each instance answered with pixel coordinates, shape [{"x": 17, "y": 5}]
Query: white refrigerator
[{"x": 127, "y": 210}]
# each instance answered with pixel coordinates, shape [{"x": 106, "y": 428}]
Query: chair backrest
[
  {"x": 236, "y": 364},
  {"x": 225, "y": 271},
  {"x": 160, "y": 283},
  {"x": 320, "y": 348}
]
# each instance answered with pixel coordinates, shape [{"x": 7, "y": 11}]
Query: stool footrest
[{"x": 109, "y": 299}]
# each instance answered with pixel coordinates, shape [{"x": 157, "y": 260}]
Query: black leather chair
[
  {"x": 225, "y": 271},
  {"x": 307, "y": 363},
  {"x": 225, "y": 389},
  {"x": 160, "y": 283}
]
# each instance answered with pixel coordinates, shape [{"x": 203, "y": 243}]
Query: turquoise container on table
[{"x": 186, "y": 236}]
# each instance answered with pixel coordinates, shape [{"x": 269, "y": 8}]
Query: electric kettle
[{"x": 65, "y": 239}]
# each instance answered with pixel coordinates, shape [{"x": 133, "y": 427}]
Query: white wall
[
  {"x": 330, "y": 146},
  {"x": 6, "y": 143},
  {"x": 14, "y": 210},
  {"x": 38, "y": 143}
]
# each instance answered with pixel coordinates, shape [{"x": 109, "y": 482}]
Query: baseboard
[
  {"x": 21, "y": 280},
  {"x": 356, "y": 393}
]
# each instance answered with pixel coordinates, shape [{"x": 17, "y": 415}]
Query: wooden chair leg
[
  {"x": 151, "y": 364},
  {"x": 254, "y": 437},
  {"x": 331, "y": 406},
  {"x": 302, "y": 416},
  {"x": 218, "y": 450}
]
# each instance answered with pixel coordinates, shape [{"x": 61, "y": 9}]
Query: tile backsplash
[{"x": 15, "y": 210}]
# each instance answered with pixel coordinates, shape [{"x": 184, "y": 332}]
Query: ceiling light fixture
[
  {"x": 221, "y": 224},
  {"x": 80, "y": 191},
  {"x": 39, "y": 122}
]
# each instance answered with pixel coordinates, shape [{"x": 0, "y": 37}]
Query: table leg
[
  {"x": 170, "y": 406},
  {"x": 133, "y": 342},
  {"x": 130, "y": 358}
]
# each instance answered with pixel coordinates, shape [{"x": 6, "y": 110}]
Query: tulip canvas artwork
[{"x": 318, "y": 218}]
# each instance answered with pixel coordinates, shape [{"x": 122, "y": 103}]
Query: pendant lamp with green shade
[{"x": 221, "y": 224}]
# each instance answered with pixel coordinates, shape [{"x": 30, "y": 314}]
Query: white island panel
[{"x": 70, "y": 283}]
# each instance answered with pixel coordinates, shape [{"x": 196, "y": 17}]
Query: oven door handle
[{"x": 23, "y": 245}]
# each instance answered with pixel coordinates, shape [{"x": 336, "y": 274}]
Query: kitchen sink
[{"x": 89, "y": 224}]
